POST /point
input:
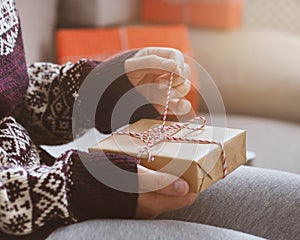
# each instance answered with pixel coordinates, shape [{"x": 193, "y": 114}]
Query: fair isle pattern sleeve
[
  {"x": 17, "y": 148},
  {"x": 34, "y": 195},
  {"x": 31, "y": 197},
  {"x": 13, "y": 75},
  {"x": 30, "y": 194},
  {"x": 46, "y": 111}
]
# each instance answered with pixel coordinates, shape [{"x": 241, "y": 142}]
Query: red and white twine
[{"x": 165, "y": 133}]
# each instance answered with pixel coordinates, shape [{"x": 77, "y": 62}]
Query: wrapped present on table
[
  {"x": 191, "y": 151},
  {"x": 225, "y": 14},
  {"x": 101, "y": 43}
]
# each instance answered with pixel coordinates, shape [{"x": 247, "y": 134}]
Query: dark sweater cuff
[
  {"x": 92, "y": 199},
  {"x": 116, "y": 90}
]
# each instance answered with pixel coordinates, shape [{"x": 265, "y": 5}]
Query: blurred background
[{"x": 251, "y": 48}]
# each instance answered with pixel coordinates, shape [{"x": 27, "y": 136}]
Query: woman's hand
[
  {"x": 165, "y": 193},
  {"x": 152, "y": 66}
]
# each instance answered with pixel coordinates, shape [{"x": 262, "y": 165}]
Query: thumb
[
  {"x": 137, "y": 67},
  {"x": 164, "y": 183}
]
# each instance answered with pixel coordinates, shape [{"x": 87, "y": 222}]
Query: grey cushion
[{"x": 142, "y": 229}]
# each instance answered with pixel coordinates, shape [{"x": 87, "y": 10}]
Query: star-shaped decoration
[{"x": 75, "y": 95}]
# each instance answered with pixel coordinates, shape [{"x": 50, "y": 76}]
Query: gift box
[
  {"x": 225, "y": 14},
  {"x": 201, "y": 165},
  {"x": 92, "y": 13},
  {"x": 101, "y": 43}
]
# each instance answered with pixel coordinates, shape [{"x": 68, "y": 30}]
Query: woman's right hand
[{"x": 161, "y": 192}]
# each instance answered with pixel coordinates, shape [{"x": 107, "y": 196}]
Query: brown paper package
[{"x": 199, "y": 164}]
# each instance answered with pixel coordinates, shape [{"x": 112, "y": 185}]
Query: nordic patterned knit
[
  {"x": 13, "y": 76},
  {"x": 37, "y": 190}
]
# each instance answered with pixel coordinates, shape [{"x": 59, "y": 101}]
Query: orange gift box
[
  {"x": 101, "y": 43},
  {"x": 224, "y": 14}
]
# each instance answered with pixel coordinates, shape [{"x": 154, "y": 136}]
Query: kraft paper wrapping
[{"x": 199, "y": 164}]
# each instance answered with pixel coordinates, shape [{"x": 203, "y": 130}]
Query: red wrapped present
[{"x": 225, "y": 14}]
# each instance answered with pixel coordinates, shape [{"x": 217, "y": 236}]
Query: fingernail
[
  {"x": 163, "y": 84},
  {"x": 180, "y": 186},
  {"x": 183, "y": 106},
  {"x": 173, "y": 93},
  {"x": 168, "y": 65},
  {"x": 179, "y": 71}
]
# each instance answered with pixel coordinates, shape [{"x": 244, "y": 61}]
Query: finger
[
  {"x": 138, "y": 67},
  {"x": 180, "y": 106},
  {"x": 179, "y": 59},
  {"x": 159, "y": 51},
  {"x": 160, "y": 182},
  {"x": 164, "y": 81},
  {"x": 168, "y": 53},
  {"x": 153, "y": 204},
  {"x": 186, "y": 71},
  {"x": 181, "y": 90},
  {"x": 176, "y": 106}
]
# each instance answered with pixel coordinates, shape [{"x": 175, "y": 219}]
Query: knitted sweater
[{"x": 36, "y": 107}]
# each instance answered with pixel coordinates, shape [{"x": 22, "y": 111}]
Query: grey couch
[{"x": 257, "y": 73}]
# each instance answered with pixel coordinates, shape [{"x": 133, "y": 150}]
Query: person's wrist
[{"x": 90, "y": 198}]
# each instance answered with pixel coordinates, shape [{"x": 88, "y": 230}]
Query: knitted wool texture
[
  {"x": 36, "y": 190},
  {"x": 13, "y": 74}
]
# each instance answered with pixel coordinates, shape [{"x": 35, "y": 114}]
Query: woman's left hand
[{"x": 153, "y": 66}]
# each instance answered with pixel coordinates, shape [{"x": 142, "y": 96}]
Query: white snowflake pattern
[
  {"x": 9, "y": 29},
  {"x": 7, "y": 146}
]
